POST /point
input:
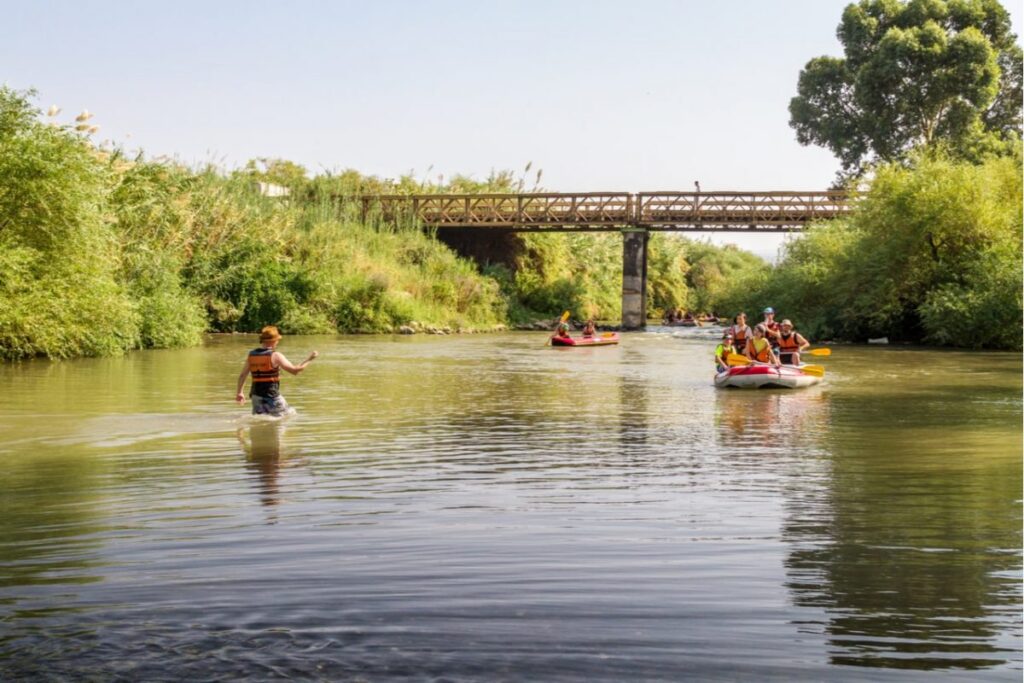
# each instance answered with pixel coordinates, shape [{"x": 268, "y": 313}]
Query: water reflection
[
  {"x": 771, "y": 418},
  {"x": 912, "y": 553},
  {"x": 265, "y": 455}
]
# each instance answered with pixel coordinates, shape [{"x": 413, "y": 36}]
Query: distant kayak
[
  {"x": 766, "y": 376},
  {"x": 603, "y": 340}
]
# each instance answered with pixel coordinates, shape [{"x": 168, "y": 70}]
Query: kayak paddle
[
  {"x": 816, "y": 370},
  {"x": 817, "y": 352}
]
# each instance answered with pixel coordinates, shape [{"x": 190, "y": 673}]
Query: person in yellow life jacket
[
  {"x": 791, "y": 343},
  {"x": 722, "y": 352},
  {"x": 265, "y": 364},
  {"x": 759, "y": 349}
]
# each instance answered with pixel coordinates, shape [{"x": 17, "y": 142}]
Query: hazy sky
[{"x": 602, "y": 95}]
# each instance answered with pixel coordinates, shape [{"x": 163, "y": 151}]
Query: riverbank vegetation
[
  {"x": 923, "y": 111},
  {"x": 100, "y": 253},
  {"x": 932, "y": 254}
]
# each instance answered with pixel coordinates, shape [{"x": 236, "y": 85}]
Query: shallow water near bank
[{"x": 485, "y": 508}]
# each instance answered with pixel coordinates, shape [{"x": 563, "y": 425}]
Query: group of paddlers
[
  {"x": 678, "y": 315},
  {"x": 768, "y": 342}
]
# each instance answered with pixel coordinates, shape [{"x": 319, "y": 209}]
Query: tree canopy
[{"x": 914, "y": 73}]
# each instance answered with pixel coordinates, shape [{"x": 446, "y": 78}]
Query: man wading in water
[{"x": 266, "y": 364}]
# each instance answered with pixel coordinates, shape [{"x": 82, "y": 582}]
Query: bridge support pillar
[{"x": 634, "y": 279}]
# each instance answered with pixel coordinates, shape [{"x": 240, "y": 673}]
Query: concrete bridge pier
[{"x": 634, "y": 279}]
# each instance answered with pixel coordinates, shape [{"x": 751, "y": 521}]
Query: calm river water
[{"x": 485, "y": 508}]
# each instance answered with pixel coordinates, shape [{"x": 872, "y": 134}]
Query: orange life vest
[
  {"x": 739, "y": 335},
  {"x": 789, "y": 344},
  {"x": 261, "y": 366},
  {"x": 763, "y": 354}
]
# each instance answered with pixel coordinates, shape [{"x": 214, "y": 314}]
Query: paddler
[
  {"x": 722, "y": 352},
  {"x": 759, "y": 349},
  {"x": 771, "y": 328},
  {"x": 562, "y": 332},
  {"x": 740, "y": 331},
  {"x": 791, "y": 343},
  {"x": 265, "y": 364},
  {"x": 589, "y": 330}
]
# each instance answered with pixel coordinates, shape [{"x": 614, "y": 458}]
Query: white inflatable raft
[{"x": 757, "y": 376}]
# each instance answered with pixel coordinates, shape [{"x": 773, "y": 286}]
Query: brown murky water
[{"x": 484, "y": 508}]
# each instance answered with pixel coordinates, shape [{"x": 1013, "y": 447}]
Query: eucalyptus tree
[{"x": 913, "y": 74}]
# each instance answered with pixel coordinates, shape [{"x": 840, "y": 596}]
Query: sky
[{"x": 644, "y": 95}]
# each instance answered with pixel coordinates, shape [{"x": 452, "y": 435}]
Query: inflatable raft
[
  {"x": 603, "y": 340},
  {"x": 758, "y": 376}
]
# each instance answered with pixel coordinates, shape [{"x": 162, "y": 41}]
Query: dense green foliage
[
  {"x": 915, "y": 73},
  {"x": 932, "y": 254},
  {"x": 583, "y": 273},
  {"x": 99, "y": 254}
]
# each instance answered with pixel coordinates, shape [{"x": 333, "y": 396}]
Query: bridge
[{"x": 635, "y": 216}]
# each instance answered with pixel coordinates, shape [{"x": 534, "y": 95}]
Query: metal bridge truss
[{"x": 613, "y": 211}]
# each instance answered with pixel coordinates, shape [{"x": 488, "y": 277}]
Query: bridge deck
[{"x": 612, "y": 211}]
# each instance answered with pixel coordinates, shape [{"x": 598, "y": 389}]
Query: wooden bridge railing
[
  {"x": 606, "y": 211},
  {"x": 738, "y": 210}
]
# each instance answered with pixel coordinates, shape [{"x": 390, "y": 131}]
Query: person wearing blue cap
[{"x": 771, "y": 327}]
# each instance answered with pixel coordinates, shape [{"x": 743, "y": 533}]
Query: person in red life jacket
[
  {"x": 791, "y": 343},
  {"x": 771, "y": 328},
  {"x": 723, "y": 351},
  {"x": 265, "y": 365},
  {"x": 562, "y": 332},
  {"x": 589, "y": 330},
  {"x": 759, "y": 349},
  {"x": 740, "y": 331}
]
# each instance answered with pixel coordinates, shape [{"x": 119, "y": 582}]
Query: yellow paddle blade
[
  {"x": 737, "y": 359},
  {"x": 819, "y": 352},
  {"x": 565, "y": 316},
  {"x": 607, "y": 334},
  {"x": 816, "y": 370}
]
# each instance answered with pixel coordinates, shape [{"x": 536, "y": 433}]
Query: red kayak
[{"x": 603, "y": 340}]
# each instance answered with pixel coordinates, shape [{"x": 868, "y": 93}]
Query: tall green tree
[{"x": 914, "y": 74}]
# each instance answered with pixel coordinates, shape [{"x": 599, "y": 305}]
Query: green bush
[
  {"x": 932, "y": 254},
  {"x": 58, "y": 256}
]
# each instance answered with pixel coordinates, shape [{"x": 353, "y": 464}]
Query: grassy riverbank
[{"x": 100, "y": 253}]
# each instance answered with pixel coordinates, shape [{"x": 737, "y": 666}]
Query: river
[{"x": 485, "y": 508}]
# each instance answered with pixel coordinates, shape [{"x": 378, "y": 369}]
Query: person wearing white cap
[{"x": 791, "y": 343}]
